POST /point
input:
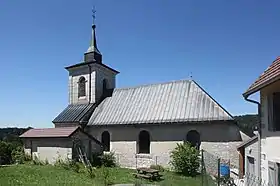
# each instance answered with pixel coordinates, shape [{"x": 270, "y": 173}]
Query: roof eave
[
  {"x": 89, "y": 63},
  {"x": 259, "y": 87},
  {"x": 247, "y": 142},
  {"x": 44, "y": 137},
  {"x": 79, "y": 64}
]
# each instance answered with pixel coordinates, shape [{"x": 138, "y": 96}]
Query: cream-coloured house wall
[
  {"x": 270, "y": 139},
  {"x": 251, "y": 150},
  {"x": 52, "y": 149},
  {"x": 49, "y": 149},
  {"x": 219, "y": 139}
]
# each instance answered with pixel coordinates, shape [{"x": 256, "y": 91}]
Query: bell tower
[{"x": 90, "y": 80}]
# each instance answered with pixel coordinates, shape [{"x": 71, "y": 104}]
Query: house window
[
  {"x": 193, "y": 137},
  {"x": 105, "y": 140},
  {"x": 251, "y": 166},
  {"x": 274, "y": 112},
  {"x": 273, "y": 173},
  {"x": 82, "y": 87},
  {"x": 144, "y": 142}
]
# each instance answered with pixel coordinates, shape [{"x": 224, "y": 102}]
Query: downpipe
[{"x": 259, "y": 128}]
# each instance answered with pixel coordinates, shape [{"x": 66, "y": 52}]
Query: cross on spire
[{"x": 93, "y": 14}]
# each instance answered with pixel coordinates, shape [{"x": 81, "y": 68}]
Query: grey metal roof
[
  {"x": 73, "y": 113},
  {"x": 176, "y": 101}
]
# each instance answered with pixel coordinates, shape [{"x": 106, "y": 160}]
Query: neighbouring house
[
  {"x": 143, "y": 124},
  {"x": 248, "y": 157},
  {"x": 52, "y": 144},
  {"x": 268, "y": 85}
]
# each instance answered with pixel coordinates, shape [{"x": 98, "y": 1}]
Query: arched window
[
  {"x": 193, "y": 137},
  {"x": 82, "y": 87},
  {"x": 105, "y": 140},
  {"x": 144, "y": 142}
]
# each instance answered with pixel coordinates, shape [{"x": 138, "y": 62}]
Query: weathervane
[{"x": 93, "y": 14}]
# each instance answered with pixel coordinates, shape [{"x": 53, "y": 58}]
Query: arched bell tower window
[{"x": 82, "y": 87}]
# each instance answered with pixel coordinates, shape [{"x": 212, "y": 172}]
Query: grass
[{"x": 51, "y": 175}]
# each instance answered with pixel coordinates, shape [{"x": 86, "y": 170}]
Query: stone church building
[{"x": 140, "y": 124}]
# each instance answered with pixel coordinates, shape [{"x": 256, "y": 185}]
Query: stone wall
[{"x": 220, "y": 139}]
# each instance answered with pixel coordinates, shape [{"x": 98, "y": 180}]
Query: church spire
[{"x": 93, "y": 54}]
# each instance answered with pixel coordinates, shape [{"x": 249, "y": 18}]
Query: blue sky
[{"x": 225, "y": 45}]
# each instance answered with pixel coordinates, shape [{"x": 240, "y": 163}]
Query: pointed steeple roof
[
  {"x": 93, "y": 45},
  {"x": 92, "y": 53}
]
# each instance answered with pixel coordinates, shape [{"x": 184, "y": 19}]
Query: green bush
[
  {"x": 185, "y": 159},
  {"x": 18, "y": 155},
  {"x": 5, "y": 153},
  {"x": 105, "y": 175},
  {"x": 157, "y": 167},
  {"x": 108, "y": 160},
  {"x": 27, "y": 157},
  {"x": 96, "y": 159},
  {"x": 37, "y": 161}
]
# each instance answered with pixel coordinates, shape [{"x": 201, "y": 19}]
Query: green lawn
[{"x": 26, "y": 175}]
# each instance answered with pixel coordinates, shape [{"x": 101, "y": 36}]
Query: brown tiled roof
[
  {"x": 270, "y": 75},
  {"x": 49, "y": 132}
]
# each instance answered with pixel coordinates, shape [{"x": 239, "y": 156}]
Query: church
[{"x": 140, "y": 124}]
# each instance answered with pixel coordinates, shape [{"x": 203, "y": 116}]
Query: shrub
[
  {"x": 185, "y": 159},
  {"x": 46, "y": 161},
  {"x": 90, "y": 171},
  {"x": 157, "y": 167},
  {"x": 108, "y": 160},
  {"x": 105, "y": 174},
  {"x": 27, "y": 157},
  {"x": 96, "y": 159},
  {"x": 37, "y": 161},
  {"x": 18, "y": 155},
  {"x": 75, "y": 166},
  {"x": 5, "y": 153}
]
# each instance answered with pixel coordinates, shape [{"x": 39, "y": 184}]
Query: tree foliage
[
  {"x": 247, "y": 123},
  {"x": 11, "y": 145}
]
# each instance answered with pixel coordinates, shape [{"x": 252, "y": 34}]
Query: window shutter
[
  {"x": 276, "y": 110},
  {"x": 272, "y": 173},
  {"x": 270, "y": 113}
]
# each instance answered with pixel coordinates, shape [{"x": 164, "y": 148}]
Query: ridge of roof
[{"x": 153, "y": 84}]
